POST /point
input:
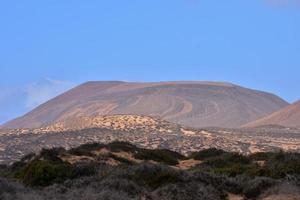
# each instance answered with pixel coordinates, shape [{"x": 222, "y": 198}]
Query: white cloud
[
  {"x": 41, "y": 91},
  {"x": 18, "y": 100}
]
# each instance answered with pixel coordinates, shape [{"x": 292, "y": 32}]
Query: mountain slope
[
  {"x": 289, "y": 117},
  {"x": 195, "y": 104}
]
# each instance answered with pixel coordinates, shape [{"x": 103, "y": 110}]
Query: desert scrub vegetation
[
  {"x": 207, "y": 153},
  {"x": 270, "y": 164},
  {"x": 119, "y": 146},
  {"x": 131, "y": 183},
  {"x": 85, "y": 149},
  {"x": 155, "y": 176},
  {"x": 46, "y": 168},
  {"x": 158, "y": 155},
  {"x": 43, "y": 173},
  {"x": 48, "y": 176}
]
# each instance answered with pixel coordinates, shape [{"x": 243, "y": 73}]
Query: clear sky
[{"x": 49, "y": 46}]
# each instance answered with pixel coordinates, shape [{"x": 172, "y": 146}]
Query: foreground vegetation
[{"x": 148, "y": 174}]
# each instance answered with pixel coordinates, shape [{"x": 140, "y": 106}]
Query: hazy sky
[{"x": 47, "y": 47}]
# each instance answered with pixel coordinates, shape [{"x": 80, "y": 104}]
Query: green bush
[
  {"x": 122, "y": 146},
  {"x": 255, "y": 187},
  {"x": 173, "y": 154},
  {"x": 51, "y": 154},
  {"x": 43, "y": 173},
  {"x": 230, "y": 164},
  {"x": 17, "y": 165},
  {"x": 121, "y": 160},
  {"x": 227, "y": 160},
  {"x": 221, "y": 183},
  {"x": 282, "y": 164},
  {"x": 158, "y": 155},
  {"x": 4, "y": 171},
  {"x": 47, "y": 168},
  {"x": 86, "y": 149},
  {"x": 155, "y": 176},
  {"x": 28, "y": 157},
  {"x": 207, "y": 153},
  {"x": 237, "y": 169},
  {"x": 261, "y": 156},
  {"x": 82, "y": 170}
]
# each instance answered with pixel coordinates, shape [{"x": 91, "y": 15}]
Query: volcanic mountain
[
  {"x": 194, "y": 104},
  {"x": 288, "y": 117}
]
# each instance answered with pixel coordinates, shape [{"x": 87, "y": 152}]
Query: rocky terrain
[
  {"x": 120, "y": 170},
  {"x": 193, "y": 104},
  {"x": 288, "y": 116},
  {"x": 147, "y": 132}
]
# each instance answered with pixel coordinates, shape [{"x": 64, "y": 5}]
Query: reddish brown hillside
[
  {"x": 195, "y": 104},
  {"x": 289, "y": 117}
]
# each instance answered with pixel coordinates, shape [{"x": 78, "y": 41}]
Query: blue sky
[{"x": 47, "y": 47}]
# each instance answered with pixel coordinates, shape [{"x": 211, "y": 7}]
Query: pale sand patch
[
  {"x": 2, "y": 147},
  {"x": 72, "y": 159},
  {"x": 163, "y": 130},
  {"x": 187, "y": 164},
  {"x": 205, "y": 133},
  {"x": 253, "y": 148},
  {"x": 128, "y": 156},
  {"x": 261, "y": 163},
  {"x": 112, "y": 162},
  {"x": 102, "y": 151},
  {"x": 187, "y": 132},
  {"x": 290, "y": 146},
  {"x": 235, "y": 197}
]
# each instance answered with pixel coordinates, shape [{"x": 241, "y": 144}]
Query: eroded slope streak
[{"x": 194, "y": 104}]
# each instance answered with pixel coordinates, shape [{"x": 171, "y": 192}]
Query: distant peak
[
  {"x": 99, "y": 82},
  {"x": 183, "y": 82},
  {"x": 215, "y": 83}
]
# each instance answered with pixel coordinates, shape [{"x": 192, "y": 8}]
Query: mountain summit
[{"x": 194, "y": 104}]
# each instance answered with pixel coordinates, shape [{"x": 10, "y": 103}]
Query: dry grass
[{"x": 187, "y": 164}]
